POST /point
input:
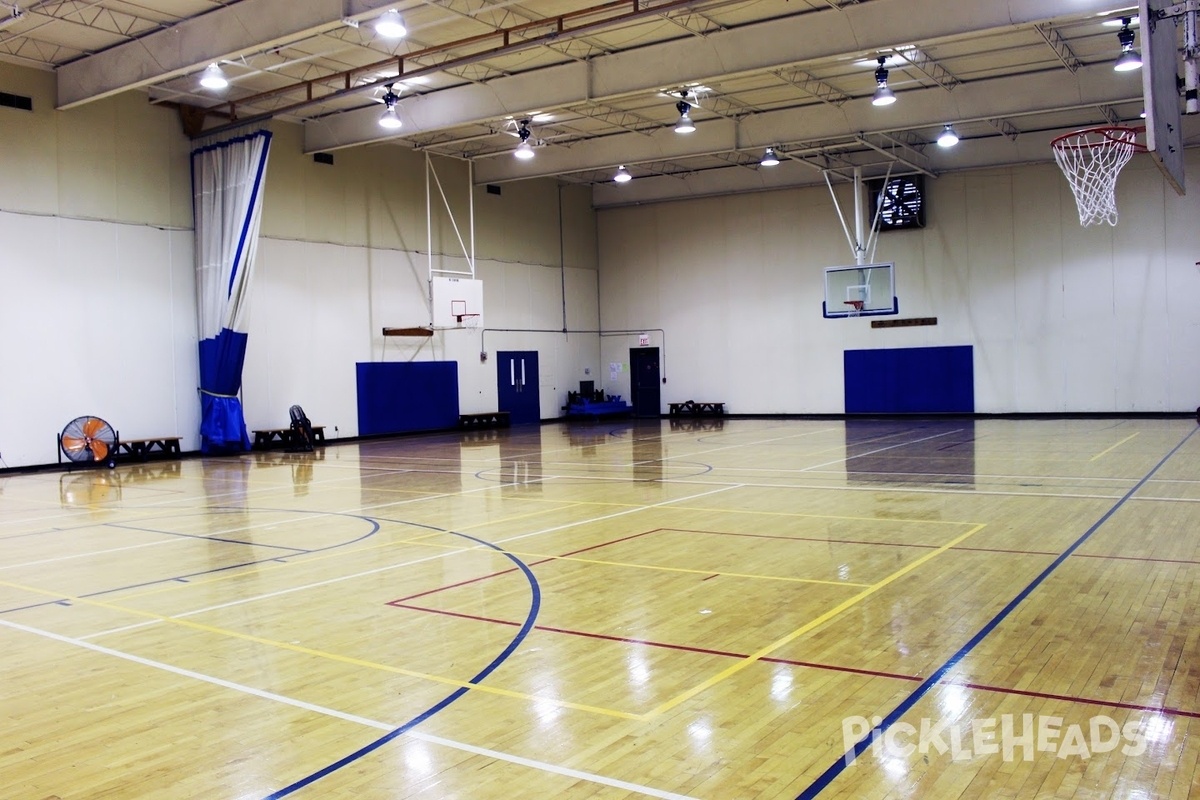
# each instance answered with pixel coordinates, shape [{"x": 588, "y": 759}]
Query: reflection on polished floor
[{"x": 712, "y": 608}]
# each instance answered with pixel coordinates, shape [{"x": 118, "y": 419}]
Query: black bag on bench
[{"x": 302, "y": 432}]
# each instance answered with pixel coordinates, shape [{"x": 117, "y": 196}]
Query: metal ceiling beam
[
  {"x": 1031, "y": 147},
  {"x": 760, "y": 47},
  {"x": 1060, "y": 47},
  {"x": 247, "y": 26},
  {"x": 927, "y": 108},
  {"x": 932, "y": 69}
]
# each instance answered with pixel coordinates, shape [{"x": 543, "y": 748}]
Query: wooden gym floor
[{"x": 709, "y": 609}]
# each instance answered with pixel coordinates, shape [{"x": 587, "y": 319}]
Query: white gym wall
[
  {"x": 98, "y": 311},
  {"x": 1062, "y": 318}
]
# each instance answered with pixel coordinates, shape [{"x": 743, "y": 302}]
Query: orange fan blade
[
  {"x": 73, "y": 443},
  {"x": 92, "y": 427},
  {"x": 99, "y": 450}
]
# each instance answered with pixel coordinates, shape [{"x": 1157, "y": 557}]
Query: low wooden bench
[
  {"x": 265, "y": 438},
  {"x": 143, "y": 448},
  {"x": 490, "y": 419},
  {"x": 692, "y": 408}
]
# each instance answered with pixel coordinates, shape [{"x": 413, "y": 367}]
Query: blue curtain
[{"x": 227, "y": 193}]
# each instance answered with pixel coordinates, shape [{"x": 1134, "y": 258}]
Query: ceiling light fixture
[
  {"x": 685, "y": 124},
  {"x": 948, "y": 137},
  {"x": 14, "y": 15},
  {"x": 1130, "y": 58},
  {"x": 769, "y": 158},
  {"x": 1116, "y": 22},
  {"x": 622, "y": 175},
  {"x": 524, "y": 150},
  {"x": 213, "y": 77},
  {"x": 389, "y": 119},
  {"x": 883, "y": 95},
  {"x": 389, "y": 25}
]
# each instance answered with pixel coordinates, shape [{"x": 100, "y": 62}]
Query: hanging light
[
  {"x": 883, "y": 95},
  {"x": 1130, "y": 58},
  {"x": 769, "y": 158},
  {"x": 213, "y": 77},
  {"x": 685, "y": 124},
  {"x": 389, "y": 25},
  {"x": 389, "y": 119},
  {"x": 524, "y": 150},
  {"x": 948, "y": 137},
  {"x": 622, "y": 175}
]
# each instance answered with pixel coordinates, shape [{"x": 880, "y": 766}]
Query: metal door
[
  {"x": 644, "y": 382},
  {"x": 517, "y": 385}
]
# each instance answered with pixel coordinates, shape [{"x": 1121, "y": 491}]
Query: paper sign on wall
[{"x": 614, "y": 370}]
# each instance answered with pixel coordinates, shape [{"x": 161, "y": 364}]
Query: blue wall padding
[
  {"x": 910, "y": 380},
  {"x": 396, "y": 397}
]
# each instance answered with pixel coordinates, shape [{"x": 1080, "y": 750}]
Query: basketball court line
[
  {"x": 851, "y": 755},
  {"x": 179, "y": 620},
  {"x": 685, "y": 570},
  {"x": 983, "y": 687},
  {"x": 1114, "y": 447},
  {"x": 965, "y": 490},
  {"x": 346, "y": 717},
  {"x": 90, "y": 554},
  {"x": 318, "y": 584},
  {"x": 881, "y": 450},
  {"x": 811, "y": 625}
]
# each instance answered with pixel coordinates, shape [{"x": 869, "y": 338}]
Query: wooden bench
[
  {"x": 692, "y": 408},
  {"x": 490, "y": 419},
  {"x": 264, "y": 439},
  {"x": 143, "y": 448}
]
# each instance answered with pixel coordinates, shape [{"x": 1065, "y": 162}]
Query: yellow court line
[
  {"x": 357, "y": 662},
  {"x": 1114, "y": 447},
  {"x": 684, "y": 569},
  {"x": 828, "y": 615}
]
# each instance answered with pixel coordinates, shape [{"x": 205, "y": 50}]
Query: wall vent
[{"x": 16, "y": 101}]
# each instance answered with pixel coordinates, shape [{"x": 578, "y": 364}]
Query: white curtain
[{"x": 227, "y": 192}]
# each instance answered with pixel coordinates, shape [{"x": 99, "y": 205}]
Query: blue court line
[
  {"x": 837, "y": 767},
  {"x": 206, "y": 538},
  {"x": 369, "y": 520},
  {"x": 534, "y": 608}
]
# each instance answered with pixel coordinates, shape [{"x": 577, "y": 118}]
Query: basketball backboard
[
  {"x": 457, "y": 302},
  {"x": 860, "y": 290},
  {"x": 1160, "y": 33}
]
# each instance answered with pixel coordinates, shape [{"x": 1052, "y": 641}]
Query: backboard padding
[{"x": 1160, "y": 65}]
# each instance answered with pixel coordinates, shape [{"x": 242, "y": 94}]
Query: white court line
[
  {"x": 93, "y": 553},
  {"x": 330, "y": 712},
  {"x": 377, "y": 570},
  {"x": 881, "y": 449}
]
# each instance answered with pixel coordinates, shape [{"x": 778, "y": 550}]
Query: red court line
[
  {"x": 531, "y": 563},
  {"x": 651, "y": 643},
  {"x": 810, "y": 664},
  {"x": 1174, "y": 712}
]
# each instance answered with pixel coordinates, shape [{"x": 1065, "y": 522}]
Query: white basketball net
[{"x": 1091, "y": 160}]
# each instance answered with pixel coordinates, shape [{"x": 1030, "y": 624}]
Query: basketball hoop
[
  {"x": 1091, "y": 159},
  {"x": 467, "y": 320},
  {"x": 856, "y": 307}
]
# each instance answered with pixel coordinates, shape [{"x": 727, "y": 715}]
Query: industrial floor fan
[{"x": 89, "y": 440}]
